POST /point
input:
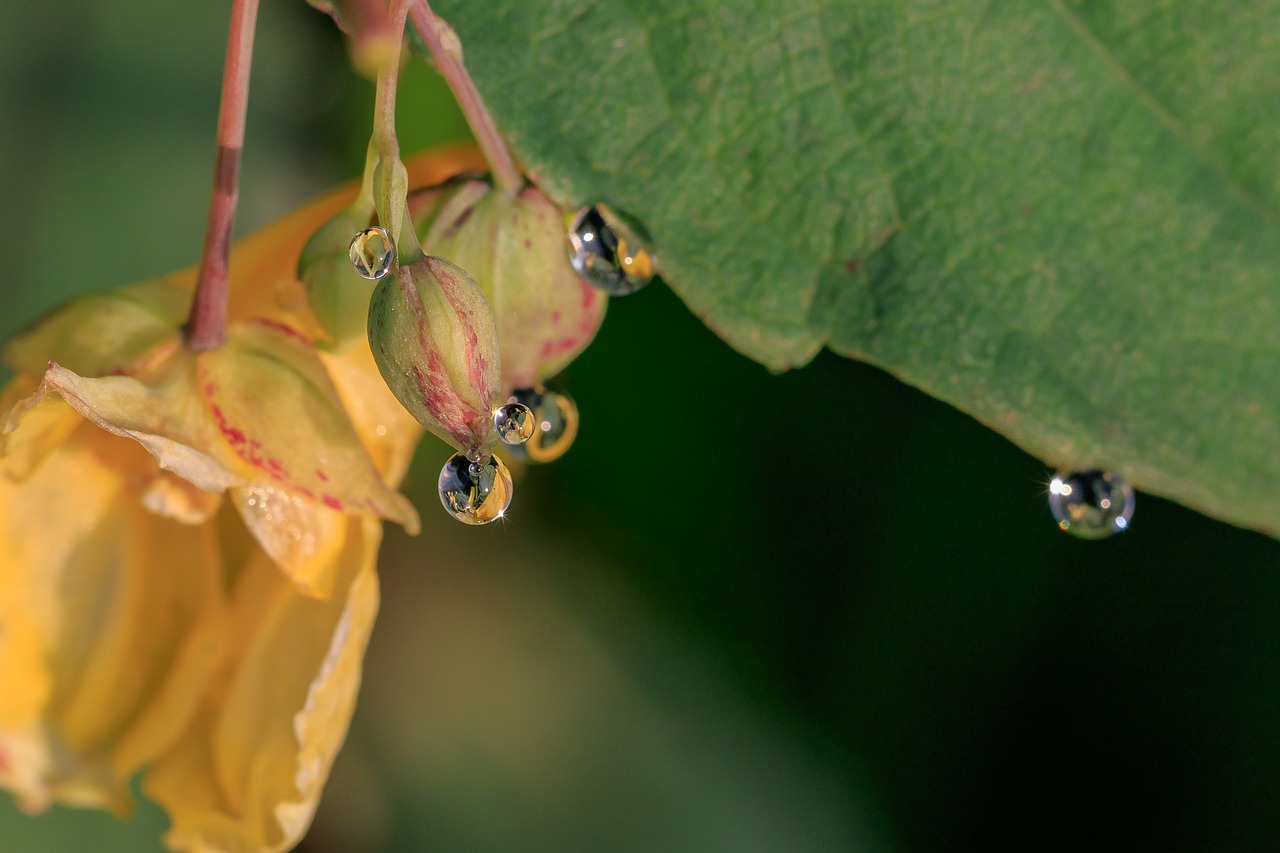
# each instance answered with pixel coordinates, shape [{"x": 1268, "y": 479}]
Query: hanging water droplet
[
  {"x": 371, "y": 253},
  {"x": 475, "y": 492},
  {"x": 555, "y": 421},
  {"x": 1091, "y": 504},
  {"x": 515, "y": 423},
  {"x": 608, "y": 253}
]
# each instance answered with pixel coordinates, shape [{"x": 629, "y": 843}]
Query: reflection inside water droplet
[
  {"x": 515, "y": 423},
  {"x": 1091, "y": 504},
  {"x": 608, "y": 253},
  {"x": 475, "y": 492},
  {"x": 371, "y": 253},
  {"x": 555, "y": 421}
]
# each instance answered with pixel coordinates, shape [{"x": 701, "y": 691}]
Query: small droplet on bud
[
  {"x": 1091, "y": 504},
  {"x": 607, "y": 253},
  {"x": 515, "y": 423},
  {"x": 555, "y": 422},
  {"x": 475, "y": 492},
  {"x": 372, "y": 252}
]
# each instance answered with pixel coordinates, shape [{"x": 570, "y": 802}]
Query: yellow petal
[
  {"x": 249, "y": 773},
  {"x": 304, "y": 538},
  {"x": 49, "y": 421},
  {"x": 37, "y": 424},
  {"x": 166, "y": 417},
  {"x": 388, "y": 431},
  {"x": 174, "y": 497},
  {"x": 102, "y": 605}
]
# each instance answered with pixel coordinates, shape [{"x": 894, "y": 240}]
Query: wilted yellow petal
[
  {"x": 167, "y": 417},
  {"x": 174, "y": 497},
  {"x": 49, "y": 420},
  {"x": 99, "y": 602},
  {"x": 388, "y": 431},
  {"x": 304, "y": 538},
  {"x": 249, "y": 773},
  {"x": 142, "y": 622}
]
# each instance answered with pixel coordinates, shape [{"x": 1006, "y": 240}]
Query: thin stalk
[
  {"x": 391, "y": 186},
  {"x": 443, "y": 43},
  {"x": 207, "y": 325}
]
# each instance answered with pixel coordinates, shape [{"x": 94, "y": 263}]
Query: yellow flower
[{"x": 188, "y": 577}]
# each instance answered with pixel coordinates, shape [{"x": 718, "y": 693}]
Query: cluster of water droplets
[
  {"x": 554, "y": 420},
  {"x": 538, "y": 424},
  {"x": 476, "y": 488},
  {"x": 1091, "y": 503},
  {"x": 535, "y": 424}
]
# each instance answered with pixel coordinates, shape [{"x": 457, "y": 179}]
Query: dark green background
[{"x": 817, "y": 611}]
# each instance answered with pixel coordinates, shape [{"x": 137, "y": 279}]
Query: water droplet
[
  {"x": 371, "y": 253},
  {"x": 515, "y": 423},
  {"x": 555, "y": 421},
  {"x": 1091, "y": 504},
  {"x": 608, "y": 253},
  {"x": 475, "y": 492}
]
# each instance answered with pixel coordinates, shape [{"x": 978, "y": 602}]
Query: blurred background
[{"x": 811, "y": 612}]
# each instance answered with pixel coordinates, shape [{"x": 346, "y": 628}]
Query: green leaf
[{"x": 1060, "y": 217}]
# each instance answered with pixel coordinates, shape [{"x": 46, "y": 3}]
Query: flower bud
[
  {"x": 433, "y": 337},
  {"x": 338, "y": 296},
  {"x": 514, "y": 246}
]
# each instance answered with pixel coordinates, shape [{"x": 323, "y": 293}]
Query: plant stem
[
  {"x": 390, "y": 189},
  {"x": 207, "y": 325},
  {"x": 443, "y": 43}
]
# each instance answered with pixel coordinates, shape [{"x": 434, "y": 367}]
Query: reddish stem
[
  {"x": 443, "y": 43},
  {"x": 207, "y": 326}
]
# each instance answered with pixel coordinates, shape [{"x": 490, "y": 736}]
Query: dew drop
[
  {"x": 1091, "y": 504},
  {"x": 608, "y": 253},
  {"x": 555, "y": 424},
  {"x": 515, "y": 423},
  {"x": 371, "y": 253},
  {"x": 475, "y": 492}
]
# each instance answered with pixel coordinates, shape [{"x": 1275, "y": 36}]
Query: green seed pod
[
  {"x": 435, "y": 342},
  {"x": 514, "y": 245},
  {"x": 337, "y": 294}
]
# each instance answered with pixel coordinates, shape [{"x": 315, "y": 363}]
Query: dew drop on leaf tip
[
  {"x": 608, "y": 253},
  {"x": 1091, "y": 503},
  {"x": 371, "y": 253}
]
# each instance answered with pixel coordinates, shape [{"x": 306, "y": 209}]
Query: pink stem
[
  {"x": 442, "y": 41},
  {"x": 207, "y": 326}
]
